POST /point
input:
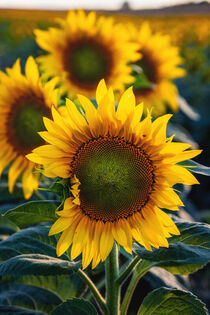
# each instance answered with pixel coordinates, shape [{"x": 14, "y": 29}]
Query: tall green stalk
[{"x": 112, "y": 287}]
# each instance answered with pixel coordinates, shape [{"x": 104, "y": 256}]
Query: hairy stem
[
  {"x": 127, "y": 271},
  {"x": 112, "y": 287},
  {"x": 97, "y": 295}
]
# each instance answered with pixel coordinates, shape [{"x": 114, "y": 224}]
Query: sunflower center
[
  {"x": 88, "y": 62},
  {"x": 24, "y": 124},
  {"x": 116, "y": 178},
  {"x": 149, "y": 67}
]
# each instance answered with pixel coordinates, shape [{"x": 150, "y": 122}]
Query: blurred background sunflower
[
  {"x": 158, "y": 66},
  {"x": 23, "y": 102},
  {"x": 85, "y": 49}
]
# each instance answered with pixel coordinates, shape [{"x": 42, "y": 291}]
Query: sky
[{"x": 87, "y": 4}]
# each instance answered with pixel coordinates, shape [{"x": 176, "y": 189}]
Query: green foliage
[
  {"x": 32, "y": 212},
  {"x": 187, "y": 252},
  {"x": 36, "y": 264},
  {"x": 75, "y": 307},
  {"x": 65, "y": 286},
  {"x": 196, "y": 167},
  {"x": 171, "y": 301},
  {"x": 29, "y": 297},
  {"x": 7, "y": 309},
  {"x": 31, "y": 240}
]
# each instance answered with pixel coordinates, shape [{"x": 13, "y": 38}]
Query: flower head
[
  {"x": 159, "y": 62},
  {"x": 86, "y": 49},
  {"x": 23, "y": 103},
  {"x": 121, "y": 171}
]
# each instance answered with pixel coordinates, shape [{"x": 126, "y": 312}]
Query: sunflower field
[{"x": 104, "y": 154}]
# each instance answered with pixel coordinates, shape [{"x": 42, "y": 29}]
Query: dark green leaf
[
  {"x": 6, "y": 223},
  {"x": 59, "y": 187},
  {"x": 31, "y": 240},
  {"x": 159, "y": 277},
  {"x": 75, "y": 307},
  {"x": 187, "y": 252},
  {"x": 6, "y": 253},
  {"x": 29, "y": 297},
  {"x": 15, "y": 298},
  {"x": 171, "y": 301},
  {"x": 9, "y": 310},
  {"x": 36, "y": 264},
  {"x": 196, "y": 167},
  {"x": 66, "y": 286},
  {"x": 205, "y": 216},
  {"x": 32, "y": 212}
]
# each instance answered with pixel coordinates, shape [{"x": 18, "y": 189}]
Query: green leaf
[
  {"x": 37, "y": 264},
  {"x": 29, "y": 297},
  {"x": 34, "y": 239},
  {"x": 187, "y": 252},
  {"x": 159, "y": 277},
  {"x": 75, "y": 307},
  {"x": 59, "y": 187},
  {"x": 171, "y": 301},
  {"x": 32, "y": 212},
  {"x": 6, "y": 223},
  {"x": 196, "y": 167},
  {"x": 6, "y": 253},
  {"x": 17, "y": 298},
  {"x": 66, "y": 286},
  {"x": 7, "y": 309}
]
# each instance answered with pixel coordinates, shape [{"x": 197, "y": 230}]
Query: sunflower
[
  {"x": 160, "y": 64},
  {"x": 121, "y": 171},
  {"x": 86, "y": 49},
  {"x": 23, "y": 102}
]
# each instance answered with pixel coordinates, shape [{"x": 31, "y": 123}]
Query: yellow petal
[
  {"x": 126, "y": 104},
  {"x": 31, "y": 70},
  {"x": 106, "y": 241},
  {"x": 15, "y": 170},
  {"x": 186, "y": 155},
  {"x": 60, "y": 225},
  {"x": 178, "y": 174},
  {"x": 101, "y": 91},
  {"x": 66, "y": 238}
]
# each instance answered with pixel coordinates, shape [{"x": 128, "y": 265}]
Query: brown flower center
[
  {"x": 116, "y": 178},
  {"x": 24, "y": 121},
  {"x": 88, "y": 61}
]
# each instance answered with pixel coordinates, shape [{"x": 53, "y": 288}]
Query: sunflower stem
[
  {"x": 112, "y": 287},
  {"x": 127, "y": 271},
  {"x": 138, "y": 273},
  {"x": 97, "y": 295}
]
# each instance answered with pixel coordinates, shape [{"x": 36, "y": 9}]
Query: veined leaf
[
  {"x": 187, "y": 252},
  {"x": 171, "y": 301},
  {"x": 75, "y": 307},
  {"x": 65, "y": 286},
  {"x": 32, "y": 212},
  {"x": 28, "y": 296},
  {"x": 34, "y": 239},
  {"x": 159, "y": 277},
  {"x": 36, "y": 264}
]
